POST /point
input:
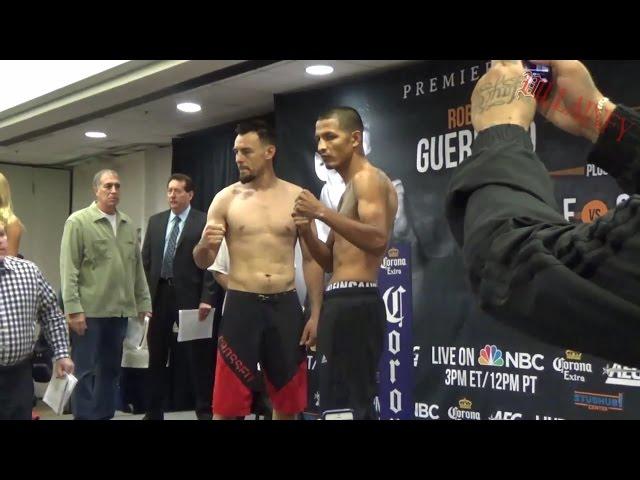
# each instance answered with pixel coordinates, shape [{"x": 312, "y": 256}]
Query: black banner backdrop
[{"x": 418, "y": 129}]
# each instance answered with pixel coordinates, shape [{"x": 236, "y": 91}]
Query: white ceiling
[
  {"x": 39, "y": 135},
  {"x": 21, "y": 80}
]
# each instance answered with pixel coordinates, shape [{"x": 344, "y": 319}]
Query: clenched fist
[
  {"x": 302, "y": 223},
  {"x": 307, "y": 205},
  {"x": 213, "y": 235}
]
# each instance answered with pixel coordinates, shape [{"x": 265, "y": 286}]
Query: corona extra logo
[
  {"x": 571, "y": 355},
  {"x": 463, "y": 411},
  {"x": 394, "y": 253}
]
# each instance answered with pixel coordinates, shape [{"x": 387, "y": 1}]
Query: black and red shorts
[{"x": 265, "y": 329}]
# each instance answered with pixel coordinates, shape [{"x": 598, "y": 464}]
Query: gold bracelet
[{"x": 599, "y": 110}]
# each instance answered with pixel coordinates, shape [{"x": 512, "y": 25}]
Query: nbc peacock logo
[{"x": 491, "y": 356}]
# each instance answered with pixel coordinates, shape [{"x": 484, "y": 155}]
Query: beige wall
[{"x": 40, "y": 198}]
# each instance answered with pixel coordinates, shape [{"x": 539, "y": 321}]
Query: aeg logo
[{"x": 500, "y": 415}]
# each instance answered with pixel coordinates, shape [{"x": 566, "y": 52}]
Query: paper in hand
[
  {"x": 59, "y": 391},
  {"x": 191, "y": 328},
  {"x": 137, "y": 333}
]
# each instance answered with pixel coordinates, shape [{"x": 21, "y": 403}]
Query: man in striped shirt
[{"x": 25, "y": 298}]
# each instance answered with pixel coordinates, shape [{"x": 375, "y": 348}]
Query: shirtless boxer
[
  {"x": 263, "y": 320},
  {"x": 352, "y": 324}
]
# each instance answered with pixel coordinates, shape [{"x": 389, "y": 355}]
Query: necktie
[{"x": 167, "y": 261}]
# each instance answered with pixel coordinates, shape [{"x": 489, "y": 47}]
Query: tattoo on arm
[{"x": 501, "y": 92}]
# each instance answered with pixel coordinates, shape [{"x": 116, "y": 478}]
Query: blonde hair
[{"x": 6, "y": 208}]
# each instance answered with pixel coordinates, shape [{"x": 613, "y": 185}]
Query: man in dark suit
[{"x": 176, "y": 283}]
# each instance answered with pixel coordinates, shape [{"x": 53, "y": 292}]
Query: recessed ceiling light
[
  {"x": 95, "y": 134},
  {"x": 189, "y": 107},
  {"x": 319, "y": 70}
]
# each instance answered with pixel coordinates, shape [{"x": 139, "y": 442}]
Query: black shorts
[
  {"x": 350, "y": 342},
  {"x": 266, "y": 329}
]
